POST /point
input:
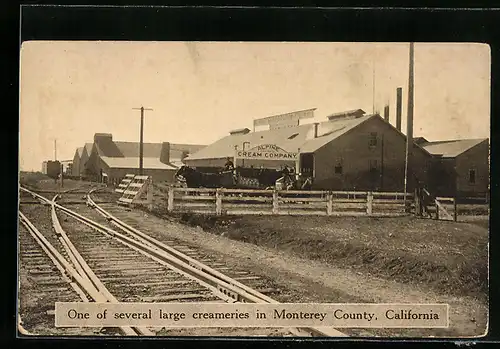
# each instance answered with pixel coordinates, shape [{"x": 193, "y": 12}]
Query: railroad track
[
  {"x": 171, "y": 274},
  {"x": 41, "y": 268},
  {"x": 71, "y": 265}
]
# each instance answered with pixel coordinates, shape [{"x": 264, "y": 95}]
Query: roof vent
[
  {"x": 350, "y": 114},
  {"x": 239, "y": 131},
  {"x": 293, "y": 136}
]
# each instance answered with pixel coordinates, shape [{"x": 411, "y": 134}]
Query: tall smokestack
[
  {"x": 55, "y": 149},
  {"x": 409, "y": 125},
  {"x": 165, "y": 153},
  {"x": 386, "y": 113},
  {"x": 399, "y": 102}
]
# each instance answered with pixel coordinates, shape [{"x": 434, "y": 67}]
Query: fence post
[
  {"x": 329, "y": 203},
  {"x": 418, "y": 204},
  {"x": 437, "y": 209},
  {"x": 275, "y": 202},
  {"x": 218, "y": 201},
  {"x": 149, "y": 195},
  {"x": 455, "y": 213},
  {"x": 369, "y": 203},
  {"x": 170, "y": 199}
]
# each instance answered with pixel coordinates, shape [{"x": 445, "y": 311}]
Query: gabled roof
[
  {"x": 150, "y": 150},
  {"x": 79, "y": 151},
  {"x": 133, "y": 162},
  {"x": 330, "y": 130},
  {"x": 224, "y": 147},
  {"x": 88, "y": 148},
  {"x": 451, "y": 148},
  {"x": 290, "y": 138}
]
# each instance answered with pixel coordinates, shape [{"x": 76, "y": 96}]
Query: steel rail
[
  {"x": 218, "y": 285},
  {"x": 241, "y": 290},
  {"x": 81, "y": 271},
  {"x": 87, "y": 273}
]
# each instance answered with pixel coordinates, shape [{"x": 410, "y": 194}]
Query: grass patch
[{"x": 448, "y": 256}]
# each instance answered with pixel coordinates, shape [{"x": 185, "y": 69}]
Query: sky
[{"x": 199, "y": 91}]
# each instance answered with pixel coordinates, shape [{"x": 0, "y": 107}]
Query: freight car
[{"x": 52, "y": 169}]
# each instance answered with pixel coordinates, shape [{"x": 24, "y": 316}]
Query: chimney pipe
[
  {"x": 399, "y": 102},
  {"x": 386, "y": 113},
  {"x": 316, "y": 129}
]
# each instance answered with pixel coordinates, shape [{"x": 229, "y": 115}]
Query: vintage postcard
[{"x": 262, "y": 189}]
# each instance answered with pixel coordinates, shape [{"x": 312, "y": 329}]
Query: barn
[
  {"x": 75, "y": 169},
  {"x": 87, "y": 150},
  {"x": 350, "y": 151},
  {"x": 114, "y": 159},
  {"x": 460, "y": 167}
]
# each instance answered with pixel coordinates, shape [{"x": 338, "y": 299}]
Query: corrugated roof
[
  {"x": 290, "y": 139},
  {"x": 133, "y": 162},
  {"x": 451, "y": 148}
]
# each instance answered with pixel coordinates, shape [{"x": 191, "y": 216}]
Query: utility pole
[
  {"x": 55, "y": 149},
  {"x": 409, "y": 126},
  {"x": 141, "y": 144},
  {"x": 373, "y": 92}
]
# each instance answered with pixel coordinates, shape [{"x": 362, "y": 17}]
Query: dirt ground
[
  {"x": 360, "y": 260},
  {"x": 448, "y": 256},
  {"x": 319, "y": 280}
]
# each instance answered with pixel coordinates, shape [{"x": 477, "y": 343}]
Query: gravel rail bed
[
  {"x": 256, "y": 281},
  {"x": 41, "y": 284}
]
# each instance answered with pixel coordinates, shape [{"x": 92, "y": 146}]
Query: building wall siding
[
  {"x": 75, "y": 169},
  {"x": 83, "y": 163},
  {"x": 353, "y": 153},
  {"x": 443, "y": 177},
  {"x": 475, "y": 158}
]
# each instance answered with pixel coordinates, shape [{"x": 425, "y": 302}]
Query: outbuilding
[
  {"x": 75, "y": 169},
  {"x": 460, "y": 167},
  {"x": 112, "y": 160}
]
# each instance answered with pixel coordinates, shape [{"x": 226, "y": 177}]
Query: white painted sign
[{"x": 267, "y": 152}]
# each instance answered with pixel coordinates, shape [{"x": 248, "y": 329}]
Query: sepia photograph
[{"x": 343, "y": 187}]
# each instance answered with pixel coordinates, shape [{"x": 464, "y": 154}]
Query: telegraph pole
[
  {"x": 141, "y": 144},
  {"x": 409, "y": 125}
]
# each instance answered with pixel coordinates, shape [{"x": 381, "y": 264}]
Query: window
[
  {"x": 373, "y": 165},
  {"x": 338, "y": 167},
  {"x": 472, "y": 176},
  {"x": 373, "y": 139}
]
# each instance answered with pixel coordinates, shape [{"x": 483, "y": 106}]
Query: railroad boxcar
[{"x": 53, "y": 169}]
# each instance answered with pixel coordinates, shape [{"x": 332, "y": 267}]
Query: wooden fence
[{"x": 289, "y": 202}]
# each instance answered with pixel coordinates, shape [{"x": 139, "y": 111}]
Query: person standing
[{"x": 229, "y": 165}]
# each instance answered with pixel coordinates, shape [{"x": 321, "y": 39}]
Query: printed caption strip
[{"x": 252, "y": 315}]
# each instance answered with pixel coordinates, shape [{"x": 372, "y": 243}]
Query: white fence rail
[{"x": 291, "y": 202}]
